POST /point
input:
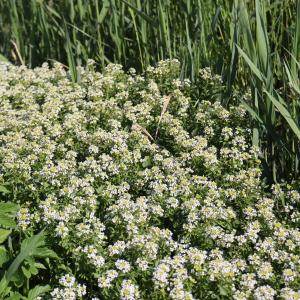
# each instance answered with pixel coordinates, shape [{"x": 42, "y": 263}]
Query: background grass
[
  {"x": 134, "y": 33},
  {"x": 253, "y": 45}
]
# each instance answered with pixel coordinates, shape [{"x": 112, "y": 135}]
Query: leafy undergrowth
[{"x": 143, "y": 190}]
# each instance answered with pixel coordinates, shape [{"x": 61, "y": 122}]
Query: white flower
[
  {"x": 106, "y": 280},
  {"x": 129, "y": 291},
  {"x": 23, "y": 217},
  {"x": 62, "y": 230},
  {"x": 71, "y": 290},
  {"x": 93, "y": 149},
  {"x": 264, "y": 293},
  {"x": 160, "y": 275},
  {"x": 123, "y": 265},
  {"x": 142, "y": 264},
  {"x": 265, "y": 270},
  {"x": 67, "y": 280}
]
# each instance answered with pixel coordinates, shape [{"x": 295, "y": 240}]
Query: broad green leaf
[
  {"x": 70, "y": 55},
  {"x": 235, "y": 31},
  {"x": 3, "y": 255},
  {"x": 38, "y": 291},
  {"x": 147, "y": 162},
  {"x": 15, "y": 296},
  {"x": 8, "y": 207},
  {"x": 4, "y": 289},
  {"x": 28, "y": 244},
  {"x": 18, "y": 278},
  {"x": 33, "y": 269},
  {"x": 7, "y": 221},
  {"x": 244, "y": 20},
  {"x": 223, "y": 290},
  {"x": 255, "y": 137},
  {"x": 4, "y": 233},
  {"x": 45, "y": 252},
  {"x": 29, "y": 247},
  {"x": 26, "y": 272},
  {"x": 39, "y": 265}
]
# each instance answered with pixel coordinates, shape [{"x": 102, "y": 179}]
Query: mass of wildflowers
[{"x": 146, "y": 190}]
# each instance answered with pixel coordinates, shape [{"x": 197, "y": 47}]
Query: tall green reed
[
  {"x": 132, "y": 32},
  {"x": 274, "y": 82}
]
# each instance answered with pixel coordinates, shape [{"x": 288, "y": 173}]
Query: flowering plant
[{"x": 146, "y": 192}]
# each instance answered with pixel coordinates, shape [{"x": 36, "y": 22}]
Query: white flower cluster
[
  {"x": 147, "y": 192},
  {"x": 70, "y": 289},
  {"x": 23, "y": 217}
]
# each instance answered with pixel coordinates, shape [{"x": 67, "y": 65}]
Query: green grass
[
  {"x": 274, "y": 81},
  {"x": 134, "y": 33}
]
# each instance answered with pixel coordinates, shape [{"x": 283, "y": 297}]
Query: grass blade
[
  {"x": 252, "y": 66},
  {"x": 285, "y": 113}
]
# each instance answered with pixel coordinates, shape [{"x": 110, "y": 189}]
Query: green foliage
[
  {"x": 18, "y": 263},
  {"x": 274, "y": 83},
  {"x": 134, "y": 33}
]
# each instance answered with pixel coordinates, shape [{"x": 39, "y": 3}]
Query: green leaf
[
  {"x": 70, "y": 55},
  {"x": 29, "y": 247},
  {"x": 252, "y": 66},
  {"x": 252, "y": 112},
  {"x": 39, "y": 265},
  {"x": 26, "y": 272},
  {"x": 7, "y": 221},
  {"x": 33, "y": 269},
  {"x": 15, "y": 296},
  {"x": 103, "y": 12},
  {"x": 142, "y": 14},
  {"x": 3, "y": 256},
  {"x": 245, "y": 26},
  {"x": 296, "y": 44},
  {"x": 262, "y": 36},
  {"x": 37, "y": 291},
  {"x": 8, "y": 207},
  {"x": 285, "y": 113},
  {"x": 223, "y": 290},
  {"x": 18, "y": 279},
  {"x": 4, "y": 233},
  {"x": 4, "y": 289},
  {"x": 255, "y": 137},
  {"x": 3, "y": 189},
  {"x": 293, "y": 80},
  {"x": 32, "y": 243},
  {"x": 147, "y": 162},
  {"x": 45, "y": 252}
]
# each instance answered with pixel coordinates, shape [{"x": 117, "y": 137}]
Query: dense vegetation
[
  {"x": 143, "y": 191},
  {"x": 226, "y": 35},
  {"x": 155, "y": 155}
]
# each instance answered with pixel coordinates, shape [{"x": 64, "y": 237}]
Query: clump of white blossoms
[
  {"x": 69, "y": 290},
  {"x": 148, "y": 187},
  {"x": 129, "y": 291}
]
